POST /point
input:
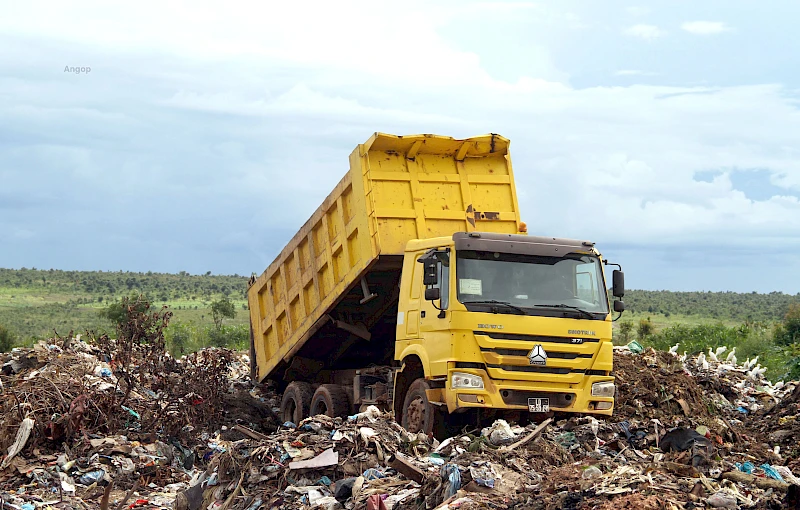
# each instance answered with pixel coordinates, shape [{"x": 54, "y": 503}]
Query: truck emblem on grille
[{"x": 538, "y": 356}]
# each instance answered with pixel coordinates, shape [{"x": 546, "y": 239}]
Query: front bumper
[{"x": 513, "y": 395}]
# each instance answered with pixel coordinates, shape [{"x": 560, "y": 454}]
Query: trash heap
[
  {"x": 81, "y": 422},
  {"x": 83, "y": 428}
]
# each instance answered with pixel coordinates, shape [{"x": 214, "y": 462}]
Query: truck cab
[{"x": 503, "y": 322}]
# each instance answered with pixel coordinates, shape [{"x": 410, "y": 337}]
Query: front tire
[{"x": 418, "y": 413}]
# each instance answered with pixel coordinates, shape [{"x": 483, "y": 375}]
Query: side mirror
[
  {"x": 619, "y": 306},
  {"x": 432, "y": 294},
  {"x": 431, "y": 269},
  {"x": 618, "y": 287}
]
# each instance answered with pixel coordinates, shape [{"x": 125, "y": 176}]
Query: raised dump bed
[{"x": 329, "y": 300}]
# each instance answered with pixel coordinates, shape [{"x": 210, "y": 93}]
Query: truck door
[{"x": 434, "y": 324}]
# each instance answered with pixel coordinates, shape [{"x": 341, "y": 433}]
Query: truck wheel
[
  {"x": 418, "y": 413},
  {"x": 296, "y": 402},
  {"x": 330, "y": 400}
]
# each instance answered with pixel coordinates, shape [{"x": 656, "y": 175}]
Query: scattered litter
[
  {"x": 327, "y": 458},
  {"x": 591, "y": 473}
]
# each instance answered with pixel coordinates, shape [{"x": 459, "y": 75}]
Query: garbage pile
[
  {"x": 80, "y": 422},
  {"x": 84, "y": 429}
]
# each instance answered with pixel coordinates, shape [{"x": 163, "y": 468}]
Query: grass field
[
  {"x": 661, "y": 321},
  {"x": 35, "y": 303}
]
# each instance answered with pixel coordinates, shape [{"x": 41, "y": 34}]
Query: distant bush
[
  {"x": 183, "y": 338},
  {"x": 625, "y": 330},
  {"x": 788, "y": 332},
  {"x": 179, "y": 338},
  {"x": 222, "y": 309},
  {"x": 232, "y": 337},
  {"x": 6, "y": 339},
  {"x": 793, "y": 351},
  {"x": 118, "y": 311},
  {"x": 644, "y": 329}
]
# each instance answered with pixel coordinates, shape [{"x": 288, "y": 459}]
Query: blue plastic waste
[
  {"x": 436, "y": 459},
  {"x": 747, "y": 467},
  {"x": 770, "y": 471},
  {"x": 132, "y": 412},
  {"x": 373, "y": 474},
  {"x": 92, "y": 477},
  {"x": 453, "y": 475}
]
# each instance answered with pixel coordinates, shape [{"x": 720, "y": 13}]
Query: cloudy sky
[{"x": 206, "y": 133}]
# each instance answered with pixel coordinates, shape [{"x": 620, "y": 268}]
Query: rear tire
[
  {"x": 296, "y": 402},
  {"x": 330, "y": 400},
  {"x": 418, "y": 413}
]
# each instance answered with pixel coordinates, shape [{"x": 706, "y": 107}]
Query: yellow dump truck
[{"x": 415, "y": 287}]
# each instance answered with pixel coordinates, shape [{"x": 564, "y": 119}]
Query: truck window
[
  {"x": 531, "y": 282},
  {"x": 587, "y": 290}
]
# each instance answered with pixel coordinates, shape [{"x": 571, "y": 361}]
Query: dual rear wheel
[{"x": 300, "y": 401}]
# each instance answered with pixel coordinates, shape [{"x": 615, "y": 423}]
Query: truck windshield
[{"x": 539, "y": 285}]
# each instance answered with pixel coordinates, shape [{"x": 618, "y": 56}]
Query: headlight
[
  {"x": 603, "y": 389},
  {"x": 461, "y": 380}
]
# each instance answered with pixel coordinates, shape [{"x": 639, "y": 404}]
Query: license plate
[{"x": 539, "y": 405}]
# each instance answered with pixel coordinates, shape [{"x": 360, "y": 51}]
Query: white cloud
[
  {"x": 646, "y": 32},
  {"x": 299, "y": 101},
  {"x": 634, "y": 72},
  {"x": 705, "y": 27}
]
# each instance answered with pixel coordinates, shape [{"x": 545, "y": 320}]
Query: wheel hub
[{"x": 416, "y": 415}]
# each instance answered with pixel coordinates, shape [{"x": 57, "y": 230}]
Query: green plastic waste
[{"x": 635, "y": 347}]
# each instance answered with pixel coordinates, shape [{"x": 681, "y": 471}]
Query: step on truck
[{"x": 415, "y": 287}]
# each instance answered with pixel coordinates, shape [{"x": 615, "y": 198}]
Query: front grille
[
  {"x": 536, "y": 338},
  {"x": 524, "y": 352},
  {"x": 538, "y": 369},
  {"x": 466, "y": 364}
]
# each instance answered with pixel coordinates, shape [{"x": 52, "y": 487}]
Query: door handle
[{"x": 422, "y": 314}]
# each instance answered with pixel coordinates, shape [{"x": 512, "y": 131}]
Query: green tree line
[
  {"x": 734, "y": 306},
  {"x": 100, "y": 284}
]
